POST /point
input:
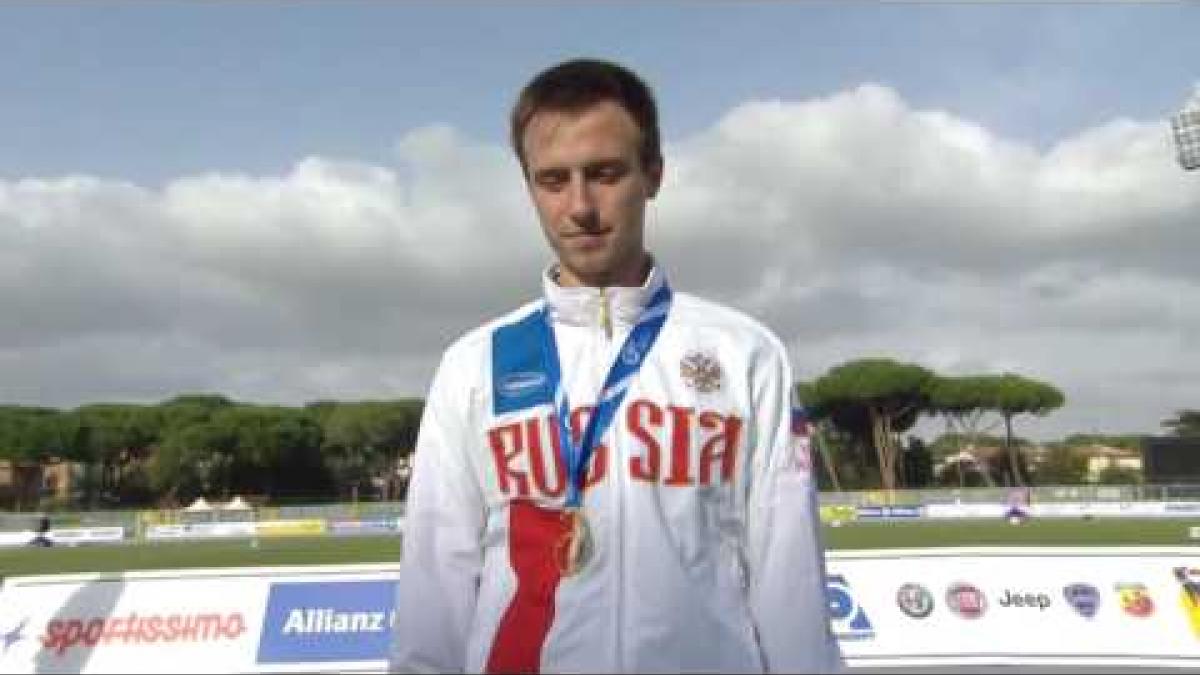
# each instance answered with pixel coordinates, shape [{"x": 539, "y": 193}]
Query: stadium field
[
  {"x": 375, "y": 549},
  {"x": 221, "y": 553}
]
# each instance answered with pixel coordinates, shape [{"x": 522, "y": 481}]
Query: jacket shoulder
[{"x": 702, "y": 314}]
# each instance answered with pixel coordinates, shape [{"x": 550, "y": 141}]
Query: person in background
[
  {"x": 41, "y": 536},
  {"x": 606, "y": 478}
]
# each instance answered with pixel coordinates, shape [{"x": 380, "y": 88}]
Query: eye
[
  {"x": 608, "y": 172},
  {"x": 551, "y": 180}
]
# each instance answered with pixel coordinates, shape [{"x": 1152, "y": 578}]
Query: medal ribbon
[{"x": 627, "y": 363}]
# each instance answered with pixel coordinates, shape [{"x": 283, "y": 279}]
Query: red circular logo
[{"x": 966, "y": 601}]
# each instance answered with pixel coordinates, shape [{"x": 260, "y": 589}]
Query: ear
[{"x": 654, "y": 176}]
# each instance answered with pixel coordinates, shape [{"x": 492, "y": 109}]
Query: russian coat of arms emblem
[{"x": 701, "y": 372}]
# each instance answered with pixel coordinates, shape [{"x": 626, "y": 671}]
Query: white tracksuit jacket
[{"x": 707, "y": 552}]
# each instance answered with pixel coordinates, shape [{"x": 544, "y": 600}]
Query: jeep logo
[{"x": 1018, "y": 599}]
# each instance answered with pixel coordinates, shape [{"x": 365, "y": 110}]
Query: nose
[{"x": 581, "y": 205}]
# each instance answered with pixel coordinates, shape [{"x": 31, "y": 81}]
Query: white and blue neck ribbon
[{"x": 625, "y": 366}]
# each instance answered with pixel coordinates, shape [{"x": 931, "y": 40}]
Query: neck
[{"x": 632, "y": 275}]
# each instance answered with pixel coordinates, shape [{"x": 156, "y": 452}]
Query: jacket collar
[{"x": 582, "y": 305}]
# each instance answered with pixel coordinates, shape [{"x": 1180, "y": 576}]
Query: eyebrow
[{"x": 599, "y": 164}]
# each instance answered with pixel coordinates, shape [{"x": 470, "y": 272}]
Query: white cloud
[
  {"x": 853, "y": 224},
  {"x": 1194, "y": 102}
]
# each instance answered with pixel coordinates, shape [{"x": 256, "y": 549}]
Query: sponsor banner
[
  {"x": 968, "y": 510},
  {"x": 1082, "y": 606},
  {"x": 1063, "y": 510},
  {"x": 86, "y": 535},
  {"x": 66, "y": 536},
  {"x": 1145, "y": 510},
  {"x": 290, "y": 528},
  {"x": 200, "y": 530},
  {"x": 339, "y": 621},
  {"x": 1135, "y": 606},
  {"x": 1102, "y": 510},
  {"x": 301, "y": 619},
  {"x": 16, "y": 538},
  {"x": 1074, "y": 509},
  {"x": 837, "y": 513},
  {"x": 875, "y": 512},
  {"x": 369, "y": 526}
]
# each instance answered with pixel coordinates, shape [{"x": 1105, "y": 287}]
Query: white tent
[
  {"x": 199, "y": 505},
  {"x": 237, "y": 504}
]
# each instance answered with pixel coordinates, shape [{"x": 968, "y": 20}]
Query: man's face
[{"x": 590, "y": 190}]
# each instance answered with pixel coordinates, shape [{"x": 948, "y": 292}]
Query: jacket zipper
[
  {"x": 605, "y": 314},
  {"x": 618, "y": 657}
]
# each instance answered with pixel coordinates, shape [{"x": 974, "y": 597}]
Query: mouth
[{"x": 587, "y": 238}]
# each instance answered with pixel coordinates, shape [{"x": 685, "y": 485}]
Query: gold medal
[{"x": 575, "y": 547}]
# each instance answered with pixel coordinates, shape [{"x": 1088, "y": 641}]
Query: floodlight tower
[{"x": 1186, "y": 128}]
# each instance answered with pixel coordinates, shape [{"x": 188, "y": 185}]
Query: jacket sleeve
[
  {"x": 443, "y": 523},
  {"x": 785, "y": 554}
]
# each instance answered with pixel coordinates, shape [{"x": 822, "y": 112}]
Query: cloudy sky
[{"x": 299, "y": 201}]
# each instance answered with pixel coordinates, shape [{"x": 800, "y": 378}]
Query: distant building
[
  {"x": 988, "y": 462},
  {"x": 971, "y": 466},
  {"x": 27, "y": 485},
  {"x": 1101, "y": 458}
]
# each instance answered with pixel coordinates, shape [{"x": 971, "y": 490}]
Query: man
[
  {"x": 41, "y": 536},
  {"x": 605, "y": 478}
]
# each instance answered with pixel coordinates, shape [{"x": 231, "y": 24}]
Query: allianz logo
[
  {"x": 329, "y": 620},
  {"x": 1012, "y": 598},
  {"x": 517, "y": 384}
]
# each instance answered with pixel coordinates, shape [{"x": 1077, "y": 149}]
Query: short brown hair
[{"x": 576, "y": 84}]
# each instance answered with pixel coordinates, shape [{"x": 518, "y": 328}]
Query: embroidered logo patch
[
  {"x": 701, "y": 372},
  {"x": 518, "y": 384}
]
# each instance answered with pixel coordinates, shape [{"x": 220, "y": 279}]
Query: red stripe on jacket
[{"x": 535, "y": 538}]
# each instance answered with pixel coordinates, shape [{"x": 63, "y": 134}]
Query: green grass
[
  {"x": 174, "y": 554},
  {"x": 379, "y": 549}
]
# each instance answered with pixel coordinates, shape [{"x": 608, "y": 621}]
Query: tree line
[
  {"x": 208, "y": 445},
  {"x": 862, "y": 407}
]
